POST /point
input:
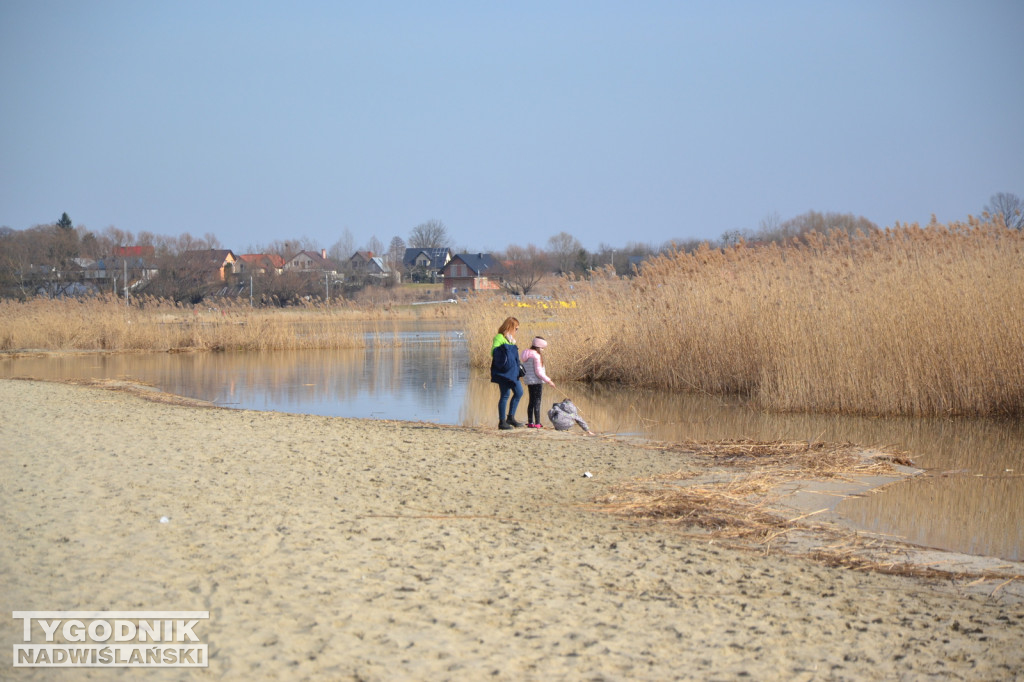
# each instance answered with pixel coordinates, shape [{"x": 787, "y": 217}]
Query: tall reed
[
  {"x": 907, "y": 321},
  {"x": 105, "y": 323}
]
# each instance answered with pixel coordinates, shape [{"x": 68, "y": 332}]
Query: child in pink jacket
[{"x": 535, "y": 378}]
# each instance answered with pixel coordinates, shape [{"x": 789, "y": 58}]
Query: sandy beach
[{"x": 336, "y": 549}]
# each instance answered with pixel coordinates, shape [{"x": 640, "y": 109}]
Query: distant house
[
  {"x": 145, "y": 252},
  {"x": 360, "y": 258},
  {"x": 426, "y": 265},
  {"x": 137, "y": 261},
  {"x": 365, "y": 263},
  {"x": 309, "y": 261},
  {"x": 91, "y": 268},
  {"x": 472, "y": 272},
  {"x": 218, "y": 263},
  {"x": 260, "y": 264},
  {"x": 114, "y": 268}
]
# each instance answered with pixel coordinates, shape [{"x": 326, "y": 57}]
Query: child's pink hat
[{"x": 539, "y": 342}]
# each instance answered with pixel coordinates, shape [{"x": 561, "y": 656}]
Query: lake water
[{"x": 972, "y": 499}]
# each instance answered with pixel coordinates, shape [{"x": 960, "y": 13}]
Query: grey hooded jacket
[{"x": 564, "y": 414}]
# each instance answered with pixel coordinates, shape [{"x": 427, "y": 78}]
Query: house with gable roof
[
  {"x": 472, "y": 272},
  {"x": 260, "y": 264},
  {"x": 138, "y": 260},
  {"x": 309, "y": 261},
  {"x": 147, "y": 252},
  {"x": 426, "y": 264},
  {"x": 365, "y": 263},
  {"x": 213, "y": 263}
]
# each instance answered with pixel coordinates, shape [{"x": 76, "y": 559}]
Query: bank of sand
[{"x": 329, "y": 548}]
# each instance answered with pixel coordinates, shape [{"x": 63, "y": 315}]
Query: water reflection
[
  {"x": 416, "y": 382},
  {"x": 977, "y": 446},
  {"x": 974, "y": 514},
  {"x": 972, "y": 501}
]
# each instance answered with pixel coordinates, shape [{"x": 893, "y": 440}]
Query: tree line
[{"x": 40, "y": 260}]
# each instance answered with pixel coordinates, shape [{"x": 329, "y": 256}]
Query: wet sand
[{"x": 328, "y": 548}]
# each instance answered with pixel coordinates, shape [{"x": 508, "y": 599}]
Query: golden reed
[
  {"x": 906, "y": 321},
  {"x": 105, "y": 323}
]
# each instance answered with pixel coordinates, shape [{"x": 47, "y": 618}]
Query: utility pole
[
  {"x": 250, "y": 291},
  {"x": 125, "y": 282}
]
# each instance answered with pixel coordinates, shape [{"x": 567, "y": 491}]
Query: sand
[{"x": 329, "y": 548}]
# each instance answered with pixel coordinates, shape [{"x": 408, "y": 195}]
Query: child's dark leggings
[{"x": 533, "y": 407}]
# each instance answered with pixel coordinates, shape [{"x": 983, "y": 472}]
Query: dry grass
[
  {"x": 910, "y": 321},
  {"x": 730, "y": 496},
  {"x": 153, "y": 325},
  {"x": 391, "y": 298},
  {"x": 744, "y": 504},
  {"x": 482, "y": 316}
]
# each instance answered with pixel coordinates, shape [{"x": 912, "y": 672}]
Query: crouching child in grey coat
[{"x": 564, "y": 414}]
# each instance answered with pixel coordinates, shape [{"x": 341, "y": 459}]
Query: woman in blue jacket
[{"x": 505, "y": 372}]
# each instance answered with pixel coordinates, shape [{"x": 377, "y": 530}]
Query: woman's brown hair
[{"x": 509, "y": 325}]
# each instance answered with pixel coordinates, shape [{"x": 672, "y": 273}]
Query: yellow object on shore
[{"x": 542, "y": 304}]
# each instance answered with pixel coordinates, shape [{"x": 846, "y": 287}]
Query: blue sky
[{"x": 510, "y": 122}]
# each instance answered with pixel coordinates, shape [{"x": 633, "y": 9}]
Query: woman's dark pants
[{"x": 513, "y": 389}]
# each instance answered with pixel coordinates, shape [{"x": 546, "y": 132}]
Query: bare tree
[
  {"x": 289, "y": 247},
  {"x": 684, "y": 245},
  {"x": 633, "y": 253},
  {"x": 63, "y": 246},
  {"x": 163, "y": 245},
  {"x": 822, "y": 223},
  {"x": 1009, "y": 206},
  {"x": 89, "y": 246},
  {"x": 396, "y": 251},
  {"x": 19, "y": 251},
  {"x": 605, "y": 255},
  {"x": 186, "y": 242},
  {"x": 524, "y": 268},
  {"x": 374, "y": 246},
  {"x": 112, "y": 237},
  {"x": 733, "y": 237},
  {"x": 769, "y": 226},
  {"x": 341, "y": 253},
  {"x": 40, "y": 260},
  {"x": 564, "y": 248},
  {"x": 429, "y": 235},
  {"x": 342, "y": 249}
]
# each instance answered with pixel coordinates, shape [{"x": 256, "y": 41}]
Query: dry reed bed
[
  {"x": 105, "y": 323},
  {"x": 483, "y": 314},
  {"x": 744, "y": 505},
  {"x": 730, "y": 496},
  {"x": 907, "y": 321}
]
